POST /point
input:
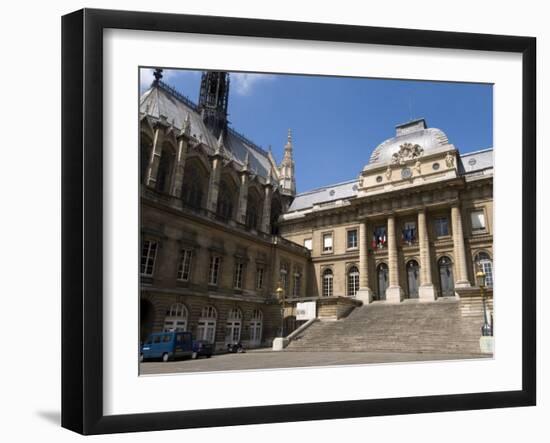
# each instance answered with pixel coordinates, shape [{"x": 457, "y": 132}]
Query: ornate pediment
[{"x": 407, "y": 151}]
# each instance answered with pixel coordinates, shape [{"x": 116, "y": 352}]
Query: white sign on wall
[{"x": 306, "y": 310}]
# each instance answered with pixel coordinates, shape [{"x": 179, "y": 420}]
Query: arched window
[
  {"x": 446, "y": 279},
  {"x": 483, "y": 261},
  {"x": 206, "y": 327},
  {"x": 192, "y": 189},
  {"x": 233, "y": 326},
  {"x": 252, "y": 211},
  {"x": 353, "y": 281},
  {"x": 256, "y": 325},
  {"x": 382, "y": 274},
  {"x": 328, "y": 283},
  {"x": 413, "y": 271},
  {"x": 144, "y": 156},
  {"x": 276, "y": 210},
  {"x": 225, "y": 202},
  {"x": 164, "y": 171},
  {"x": 176, "y": 318}
]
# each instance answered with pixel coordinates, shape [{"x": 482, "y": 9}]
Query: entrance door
[
  {"x": 412, "y": 278},
  {"x": 446, "y": 279},
  {"x": 382, "y": 272}
]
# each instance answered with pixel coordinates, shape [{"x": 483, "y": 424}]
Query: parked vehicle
[
  {"x": 235, "y": 347},
  {"x": 167, "y": 346},
  {"x": 202, "y": 348}
]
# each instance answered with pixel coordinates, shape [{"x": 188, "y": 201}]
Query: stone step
[{"x": 448, "y": 326}]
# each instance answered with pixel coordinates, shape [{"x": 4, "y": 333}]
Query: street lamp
[
  {"x": 486, "y": 330},
  {"x": 281, "y": 297}
]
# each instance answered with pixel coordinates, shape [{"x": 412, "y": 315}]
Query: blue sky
[{"x": 337, "y": 122}]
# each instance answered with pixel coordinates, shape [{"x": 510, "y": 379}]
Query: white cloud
[{"x": 244, "y": 83}]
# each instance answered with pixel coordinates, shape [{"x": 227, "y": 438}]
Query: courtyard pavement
[{"x": 267, "y": 359}]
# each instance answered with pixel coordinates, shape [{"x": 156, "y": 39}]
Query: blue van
[{"x": 167, "y": 346}]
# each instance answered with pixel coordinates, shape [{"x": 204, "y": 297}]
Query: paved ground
[{"x": 267, "y": 359}]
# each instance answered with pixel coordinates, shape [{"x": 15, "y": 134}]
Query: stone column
[
  {"x": 154, "y": 159},
  {"x": 179, "y": 168},
  {"x": 214, "y": 184},
  {"x": 461, "y": 277},
  {"x": 364, "y": 294},
  {"x": 394, "y": 293},
  {"x": 243, "y": 198},
  {"x": 426, "y": 290},
  {"x": 266, "y": 213}
]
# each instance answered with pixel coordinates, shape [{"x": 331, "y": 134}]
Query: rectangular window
[
  {"x": 478, "y": 220},
  {"x": 327, "y": 242},
  {"x": 296, "y": 288},
  {"x": 259, "y": 277},
  {"x": 284, "y": 277},
  {"x": 408, "y": 234},
  {"x": 379, "y": 237},
  {"x": 238, "y": 277},
  {"x": 441, "y": 226},
  {"x": 308, "y": 244},
  {"x": 214, "y": 270},
  {"x": 352, "y": 239},
  {"x": 148, "y": 255},
  {"x": 184, "y": 267}
]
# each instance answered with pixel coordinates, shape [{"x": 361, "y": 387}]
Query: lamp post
[
  {"x": 486, "y": 330},
  {"x": 281, "y": 297}
]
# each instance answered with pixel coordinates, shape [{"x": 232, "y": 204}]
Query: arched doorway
[
  {"x": 206, "y": 327},
  {"x": 256, "y": 325},
  {"x": 382, "y": 278},
  {"x": 146, "y": 319},
  {"x": 412, "y": 278},
  {"x": 446, "y": 279},
  {"x": 176, "y": 318},
  {"x": 353, "y": 281},
  {"x": 328, "y": 280},
  {"x": 233, "y": 326}
]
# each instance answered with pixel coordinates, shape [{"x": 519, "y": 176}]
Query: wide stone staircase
[{"x": 443, "y": 326}]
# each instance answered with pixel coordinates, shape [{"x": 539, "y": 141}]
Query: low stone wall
[{"x": 335, "y": 308}]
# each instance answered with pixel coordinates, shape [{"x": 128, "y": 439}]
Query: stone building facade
[
  {"x": 211, "y": 256},
  {"x": 415, "y": 224},
  {"x": 222, "y": 226}
]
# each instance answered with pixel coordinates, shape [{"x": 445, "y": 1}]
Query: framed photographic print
[{"x": 269, "y": 221}]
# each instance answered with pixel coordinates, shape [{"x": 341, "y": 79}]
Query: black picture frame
[{"x": 82, "y": 215}]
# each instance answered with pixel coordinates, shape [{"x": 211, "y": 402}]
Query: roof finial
[
  {"x": 289, "y": 135},
  {"x": 187, "y": 124},
  {"x": 246, "y": 165},
  {"x": 219, "y": 145},
  {"x": 158, "y": 75}
]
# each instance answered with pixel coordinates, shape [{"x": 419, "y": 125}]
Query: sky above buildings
[{"x": 337, "y": 122}]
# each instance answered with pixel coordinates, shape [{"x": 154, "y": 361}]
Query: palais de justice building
[{"x": 222, "y": 226}]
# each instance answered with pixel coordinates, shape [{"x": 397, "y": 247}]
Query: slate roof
[
  {"x": 163, "y": 100},
  {"x": 469, "y": 163}
]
